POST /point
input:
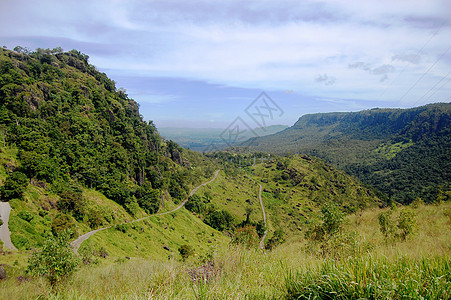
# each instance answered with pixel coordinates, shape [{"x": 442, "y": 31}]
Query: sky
[{"x": 212, "y": 63}]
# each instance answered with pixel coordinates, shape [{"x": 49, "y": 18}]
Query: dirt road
[
  {"x": 262, "y": 242},
  {"x": 76, "y": 243},
  {"x": 5, "y": 234}
]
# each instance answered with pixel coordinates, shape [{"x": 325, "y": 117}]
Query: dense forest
[
  {"x": 73, "y": 128},
  {"x": 405, "y": 153}
]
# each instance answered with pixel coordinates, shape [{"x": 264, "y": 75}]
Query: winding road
[
  {"x": 262, "y": 242},
  {"x": 76, "y": 243},
  {"x": 5, "y": 234}
]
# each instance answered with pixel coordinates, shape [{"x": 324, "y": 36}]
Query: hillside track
[
  {"x": 262, "y": 242},
  {"x": 77, "y": 243},
  {"x": 5, "y": 234}
]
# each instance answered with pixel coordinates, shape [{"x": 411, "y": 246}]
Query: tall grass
[
  {"x": 373, "y": 278},
  {"x": 413, "y": 269}
]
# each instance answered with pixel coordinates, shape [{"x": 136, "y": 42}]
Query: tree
[
  {"x": 406, "y": 223},
  {"x": 14, "y": 186},
  {"x": 56, "y": 260},
  {"x": 386, "y": 223},
  {"x": 332, "y": 217}
]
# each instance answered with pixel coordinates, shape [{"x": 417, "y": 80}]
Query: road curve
[
  {"x": 5, "y": 234},
  {"x": 262, "y": 242},
  {"x": 77, "y": 243}
]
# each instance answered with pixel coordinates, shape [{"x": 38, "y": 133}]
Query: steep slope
[
  {"x": 405, "y": 153},
  {"x": 71, "y": 143}
]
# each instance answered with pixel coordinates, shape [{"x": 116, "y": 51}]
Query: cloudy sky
[{"x": 203, "y": 63}]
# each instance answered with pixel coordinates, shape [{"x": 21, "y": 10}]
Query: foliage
[
  {"x": 366, "y": 278},
  {"x": 62, "y": 224},
  {"x": 386, "y": 224},
  {"x": 332, "y": 218},
  {"x": 185, "y": 251},
  {"x": 277, "y": 239},
  {"x": 406, "y": 223},
  {"x": 218, "y": 219},
  {"x": 25, "y": 215},
  {"x": 55, "y": 261},
  {"x": 400, "y": 227},
  {"x": 74, "y": 129},
  {"x": 245, "y": 236},
  {"x": 14, "y": 186}
]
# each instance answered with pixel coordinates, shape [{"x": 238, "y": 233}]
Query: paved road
[
  {"x": 262, "y": 242},
  {"x": 5, "y": 234},
  {"x": 76, "y": 243}
]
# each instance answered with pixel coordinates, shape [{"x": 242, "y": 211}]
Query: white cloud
[{"x": 254, "y": 44}]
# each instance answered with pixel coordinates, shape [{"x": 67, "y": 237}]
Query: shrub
[
  {"x": 25, "y": 215},
  {"x": 149, "y": 199},
  {"x": 386, "y": 224},
  {"x": 246, "y": 236},
  {"x": 277, "y": 239},
  {"x": 55, "y": 261},
  {"x": 185, "y": 251},
  {"x": 332, "y": 217},
  {"x": 406, "y": 223},
  {"x": 195, "y": 204},
  {"x": 63, "y": 223},
  {"x": 15, "y": 185}
]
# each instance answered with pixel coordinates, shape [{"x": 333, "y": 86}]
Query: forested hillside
[
  {"x": 68, "y": 127},
  {"x": 405, "y": 153}
]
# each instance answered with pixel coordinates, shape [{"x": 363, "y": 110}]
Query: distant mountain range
[
  {"x": 405, "y": 153},
  {"x": 200, "y": 139}
]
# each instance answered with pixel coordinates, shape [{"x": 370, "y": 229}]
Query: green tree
[
  {"x": 55, "y": 261},
  {"x": 406, "y": 223},
  {"x": 386, "y": 224},
  {"x": 332, "y": 217},
  {"x": 63, "y": 223},
  {"x": 14, "y": 186}
]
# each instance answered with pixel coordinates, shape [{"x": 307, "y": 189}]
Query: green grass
[
  {"x": 412, "y": 269},
  {"x": 373, "y": 278},
  {"x": 147, "y": 238}
]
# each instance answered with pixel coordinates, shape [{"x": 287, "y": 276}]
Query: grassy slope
[
  {"x": 289, "y": 206},
  {"x": 415, "y": 266}
]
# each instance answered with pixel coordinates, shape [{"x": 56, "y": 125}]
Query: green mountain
[
  {"x": 405, "y": 153},
  {"x": 75, "y": 153},
  {"x": 65, "y": 128}
]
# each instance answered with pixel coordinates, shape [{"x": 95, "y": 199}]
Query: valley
[{"x": 340, "y": 205}]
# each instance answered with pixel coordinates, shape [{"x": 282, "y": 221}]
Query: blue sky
[{"x": 202, "y": 63}]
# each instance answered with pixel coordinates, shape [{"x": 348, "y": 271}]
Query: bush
[
  {"x": 56, "y": 261},
  {"x": 63, "y": 223},
  {"x": 25, "y": 215},
  {"x": 332, "y": 217},
  {"x": 406, "y": 223},
  {"x": 195, "y": 204},
  {"x": 185, "y": 251},
  {"x": 149, "y": 199},
  {"x": 246, "y": 236},
  {"x": 386, "y": 224},
  {"x": 15, "y": 185},
  {"x": 277, "y": 239}
]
